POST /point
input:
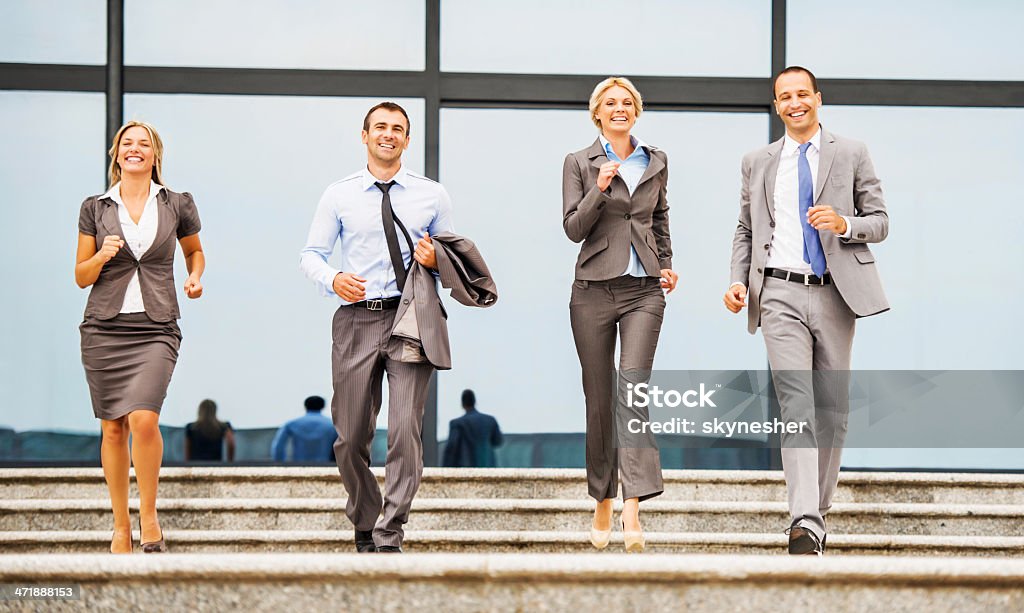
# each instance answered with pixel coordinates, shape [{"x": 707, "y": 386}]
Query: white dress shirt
[
  {"x": 787, "y": 247},
  {"x": 138, "y": 237},
  {"x": 350, "y": 210}
]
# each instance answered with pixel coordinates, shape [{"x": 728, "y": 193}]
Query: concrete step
[
  {"x": 525, "y": 582},
  {"x": 507, "y": 541},
  {"x": 544, "y": 484},
  {"x": 531, "y": 515}
]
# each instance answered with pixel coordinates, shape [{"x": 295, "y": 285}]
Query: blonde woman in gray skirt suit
[
  {"x": 613, "y": 201},
  {"x": 130, "y": 336}
]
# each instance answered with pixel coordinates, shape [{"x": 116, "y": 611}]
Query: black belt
[
  {"x": 378, "y": 304},
  {"x": 797, "y": 277}
]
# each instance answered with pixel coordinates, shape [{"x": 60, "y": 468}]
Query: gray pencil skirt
[{"x": 128, "y": 362}]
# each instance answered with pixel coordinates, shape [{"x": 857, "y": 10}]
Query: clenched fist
[
  {"x": 111, "y": 244},
  {"x": 606, "y": 173},
  {"x": 736, "y": 298}
]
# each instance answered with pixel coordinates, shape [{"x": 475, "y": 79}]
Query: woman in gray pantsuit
[
  {"x": 130, "y": 337},
  {"x": 613, "y": 200}
]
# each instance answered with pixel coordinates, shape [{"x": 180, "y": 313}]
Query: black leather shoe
[
  {"x": 823, "y": 539},
  {"x": 364, "y": 541},
  {"x": 389, "y": 549},
  {"x": 803, "y": 542}
]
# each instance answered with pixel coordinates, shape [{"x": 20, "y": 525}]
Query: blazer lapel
[
  {"x": 825, "y": 159},
  {"x": 165, "y": 221},
  {"x": 109, "y": 219},
  {"x": 654, "y": 166},
  {"x": 770, "y": 172},
  {"x": 596, "y": 154}
]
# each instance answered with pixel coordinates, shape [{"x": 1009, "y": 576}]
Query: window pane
[
  {"x": 47, "y": 136},
  {"x": 910, "y": 39},
  {"x": 53, "y": 31},
  {"x": 951, "y": 263},
  {"x": 316, "y": 34},
  {"x": 643, "y": 37},
  {"x": 519, "y": 355},
  {"x": 257, "y": 166},
  {"x": 953, "y": 253}
]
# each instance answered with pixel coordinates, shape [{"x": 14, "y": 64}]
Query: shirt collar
[
  {"x": 401, "y": 178},
  {"x": 114, "y": 193},
  {"x": 790, "y": 146},
  {"x": 638, "y": 146}
]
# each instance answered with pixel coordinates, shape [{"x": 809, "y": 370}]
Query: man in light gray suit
[{"x": 809, "y": 205}]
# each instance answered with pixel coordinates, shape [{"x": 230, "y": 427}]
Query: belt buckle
[
  {"x": 375, "y": 305},
  {"x": 807, "y": 280}
]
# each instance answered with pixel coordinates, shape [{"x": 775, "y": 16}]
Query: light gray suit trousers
[{"x": 808, "y": 330}]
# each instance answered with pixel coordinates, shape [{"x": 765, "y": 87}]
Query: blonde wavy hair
[
  {"x": 610, "y": 82},
  {"x": 114, "y": 172}
]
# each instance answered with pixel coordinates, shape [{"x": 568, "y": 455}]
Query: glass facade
[{"x": 258, "y": 342}]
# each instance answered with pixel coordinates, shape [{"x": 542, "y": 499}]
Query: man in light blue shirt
[
  {"x": 311, "y": 436},
  {"x": 383, "y": 216}
]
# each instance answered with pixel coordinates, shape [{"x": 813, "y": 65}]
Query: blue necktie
[{"x": 813, "y": 253}]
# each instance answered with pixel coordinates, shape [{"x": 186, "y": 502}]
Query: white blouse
[{"x": 138, "y": 237}]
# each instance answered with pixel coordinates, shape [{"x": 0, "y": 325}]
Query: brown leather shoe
[{"x": 803, "y": 542}]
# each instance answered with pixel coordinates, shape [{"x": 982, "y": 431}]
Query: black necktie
[{"x": 389, "y": 218}]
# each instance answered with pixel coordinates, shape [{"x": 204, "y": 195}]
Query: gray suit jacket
[
  {"x": 609, "y": 222},
  {"x": 462, "y": 270},
  {"x": 847, "y": 182},
  {"x": 177, "y": 218}
]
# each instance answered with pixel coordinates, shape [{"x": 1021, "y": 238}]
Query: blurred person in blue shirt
[{"x": 311, "y": 436}]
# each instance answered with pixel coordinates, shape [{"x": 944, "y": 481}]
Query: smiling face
[
  {"x": 387, "y": 136},
  {"x": 135, "y": 152},
  {"x": 797, "y": 103},
  {"x": 617, "y": 111}
]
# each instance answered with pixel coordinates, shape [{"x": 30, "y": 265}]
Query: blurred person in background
[
  {"x": 207, "y": 436},
  {"x": 311, "y": 437},
  {"x": 472, "y": 437}
]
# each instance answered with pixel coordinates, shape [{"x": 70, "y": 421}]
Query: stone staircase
[{"x": 239, "y": 535}]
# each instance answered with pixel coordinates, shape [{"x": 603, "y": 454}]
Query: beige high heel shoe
[
  {"x": 600, "y": 538},
  {"x": 634, "y": 541}
]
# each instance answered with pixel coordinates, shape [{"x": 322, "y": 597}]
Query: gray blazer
[
  {"x": 462, "y": 270},
  {"x": 609, "y": 222},
  {"x": 846, "y": 182},
  {"x": 177, "y": 218}
]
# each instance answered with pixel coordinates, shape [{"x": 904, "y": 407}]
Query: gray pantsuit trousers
[
  {"x": 630, "y": 309},
  {"x": 808, "y": 331},
  {"x": 363, "y": 352}
]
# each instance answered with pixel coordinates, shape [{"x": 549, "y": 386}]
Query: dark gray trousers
[
  {"x": 363, "y": 352},
  {"x": 630, "y": 310}
]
